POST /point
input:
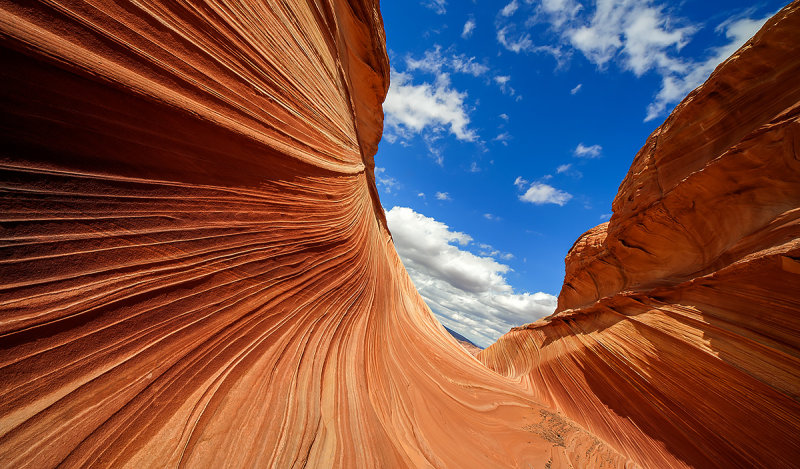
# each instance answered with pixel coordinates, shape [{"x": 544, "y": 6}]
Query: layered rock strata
[
  {"x": 677, "y": 334},
  {"x": 195, "y": 269}
]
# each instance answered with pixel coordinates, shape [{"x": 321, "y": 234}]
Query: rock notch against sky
[{"x": 196, "y": 269}]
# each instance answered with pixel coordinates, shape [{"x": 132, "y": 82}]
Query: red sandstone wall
[
  {"x": 677, "y": 336},
  {"x": 194, "y": 267}
]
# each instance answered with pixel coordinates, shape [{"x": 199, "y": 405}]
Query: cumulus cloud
[
  {"x": 540, "y": 193},
  {"x": 641, "y": 34},
  {"x": 576, "y": 89},
  {"x": 468, "y": 292},
  {"x": 592, "y": 151},
  {"x": 469, "y": 27},
  {"x": 563, "y": 168},
  {"x": 432, "y": 108},
  {"x": 443, "y": 196}
]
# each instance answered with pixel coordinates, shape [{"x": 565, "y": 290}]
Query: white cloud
[
  {"x": 563, "y": 168},
  {"x": 520, "y": 182},
  {"x": 592, "y": 151},
  {"x": 519, "y": 44},
  {"x": 558, "y": 12},
  {"x": 434, "y": 61},
  {"x": 469, "y": 293},
  {"x": 650, "y": 42},
  {"x": 502, "y": 81},
  {"x": 421, "y": 194},
  {"x": 504, "y": 116},
  {"x": 431, "y": 140},
  {"x": 539, "y": 194},
  {"x": 439, "y": 6},
  {"x": 432, "y": 107},
  {"x": 510, "y": 9},
  {"x": 675, "y": 86},
  {"x": 605, "y": 216},
  {"x": 387, "y": 183},
  {"x": 463, "y": 64},
  {"x": 576, "y": 89},
  {"x": 443, "y": 196},
  {"x": 469, "y": 27},
  {"x": 503, "y": 138},
  {"x": 641, "y": 36}
]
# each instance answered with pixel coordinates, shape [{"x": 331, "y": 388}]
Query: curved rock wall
[
  {"x": 677, "y": 334},
  {"x": 195, "y": 269},
  {"x": 194, "y": 266}
]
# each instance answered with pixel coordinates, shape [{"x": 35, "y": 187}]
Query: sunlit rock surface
[
  {"x": 194, "y": 265},
  {"x": 195, "y": 268},
  {"x": 677, "y": 334}
]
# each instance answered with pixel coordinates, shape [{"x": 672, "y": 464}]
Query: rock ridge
[{"x": 676, "y": 338}]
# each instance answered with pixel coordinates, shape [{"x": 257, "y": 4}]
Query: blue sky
[{"x": 509, "y": 126}]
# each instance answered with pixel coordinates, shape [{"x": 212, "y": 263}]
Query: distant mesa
[{"x": 466, "y": 343}]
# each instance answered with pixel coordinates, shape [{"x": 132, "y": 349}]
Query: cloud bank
[{"x": 468, "y": 292}]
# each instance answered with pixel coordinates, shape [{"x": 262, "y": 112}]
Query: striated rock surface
[
  {"x": 194, "y": 266},
  {"x": 677, "y": 334},
  {"x": 470, "y": 347},
  {"x": 195, "y": 269}
]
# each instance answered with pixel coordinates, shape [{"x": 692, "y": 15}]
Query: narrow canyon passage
[{"x": 196, "y": 270}]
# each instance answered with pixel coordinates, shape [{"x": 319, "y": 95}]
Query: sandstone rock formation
[
  {"x": 677, "y": 334},
  {"x": 195, "y": 267},
  {"x": 196, "y": 270}
]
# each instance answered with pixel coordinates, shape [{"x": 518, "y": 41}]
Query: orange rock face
[
  {"x": 473, "y": 350},
  {"x": 677, "y": 334},
  {"x": 195, "y": 267}
]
